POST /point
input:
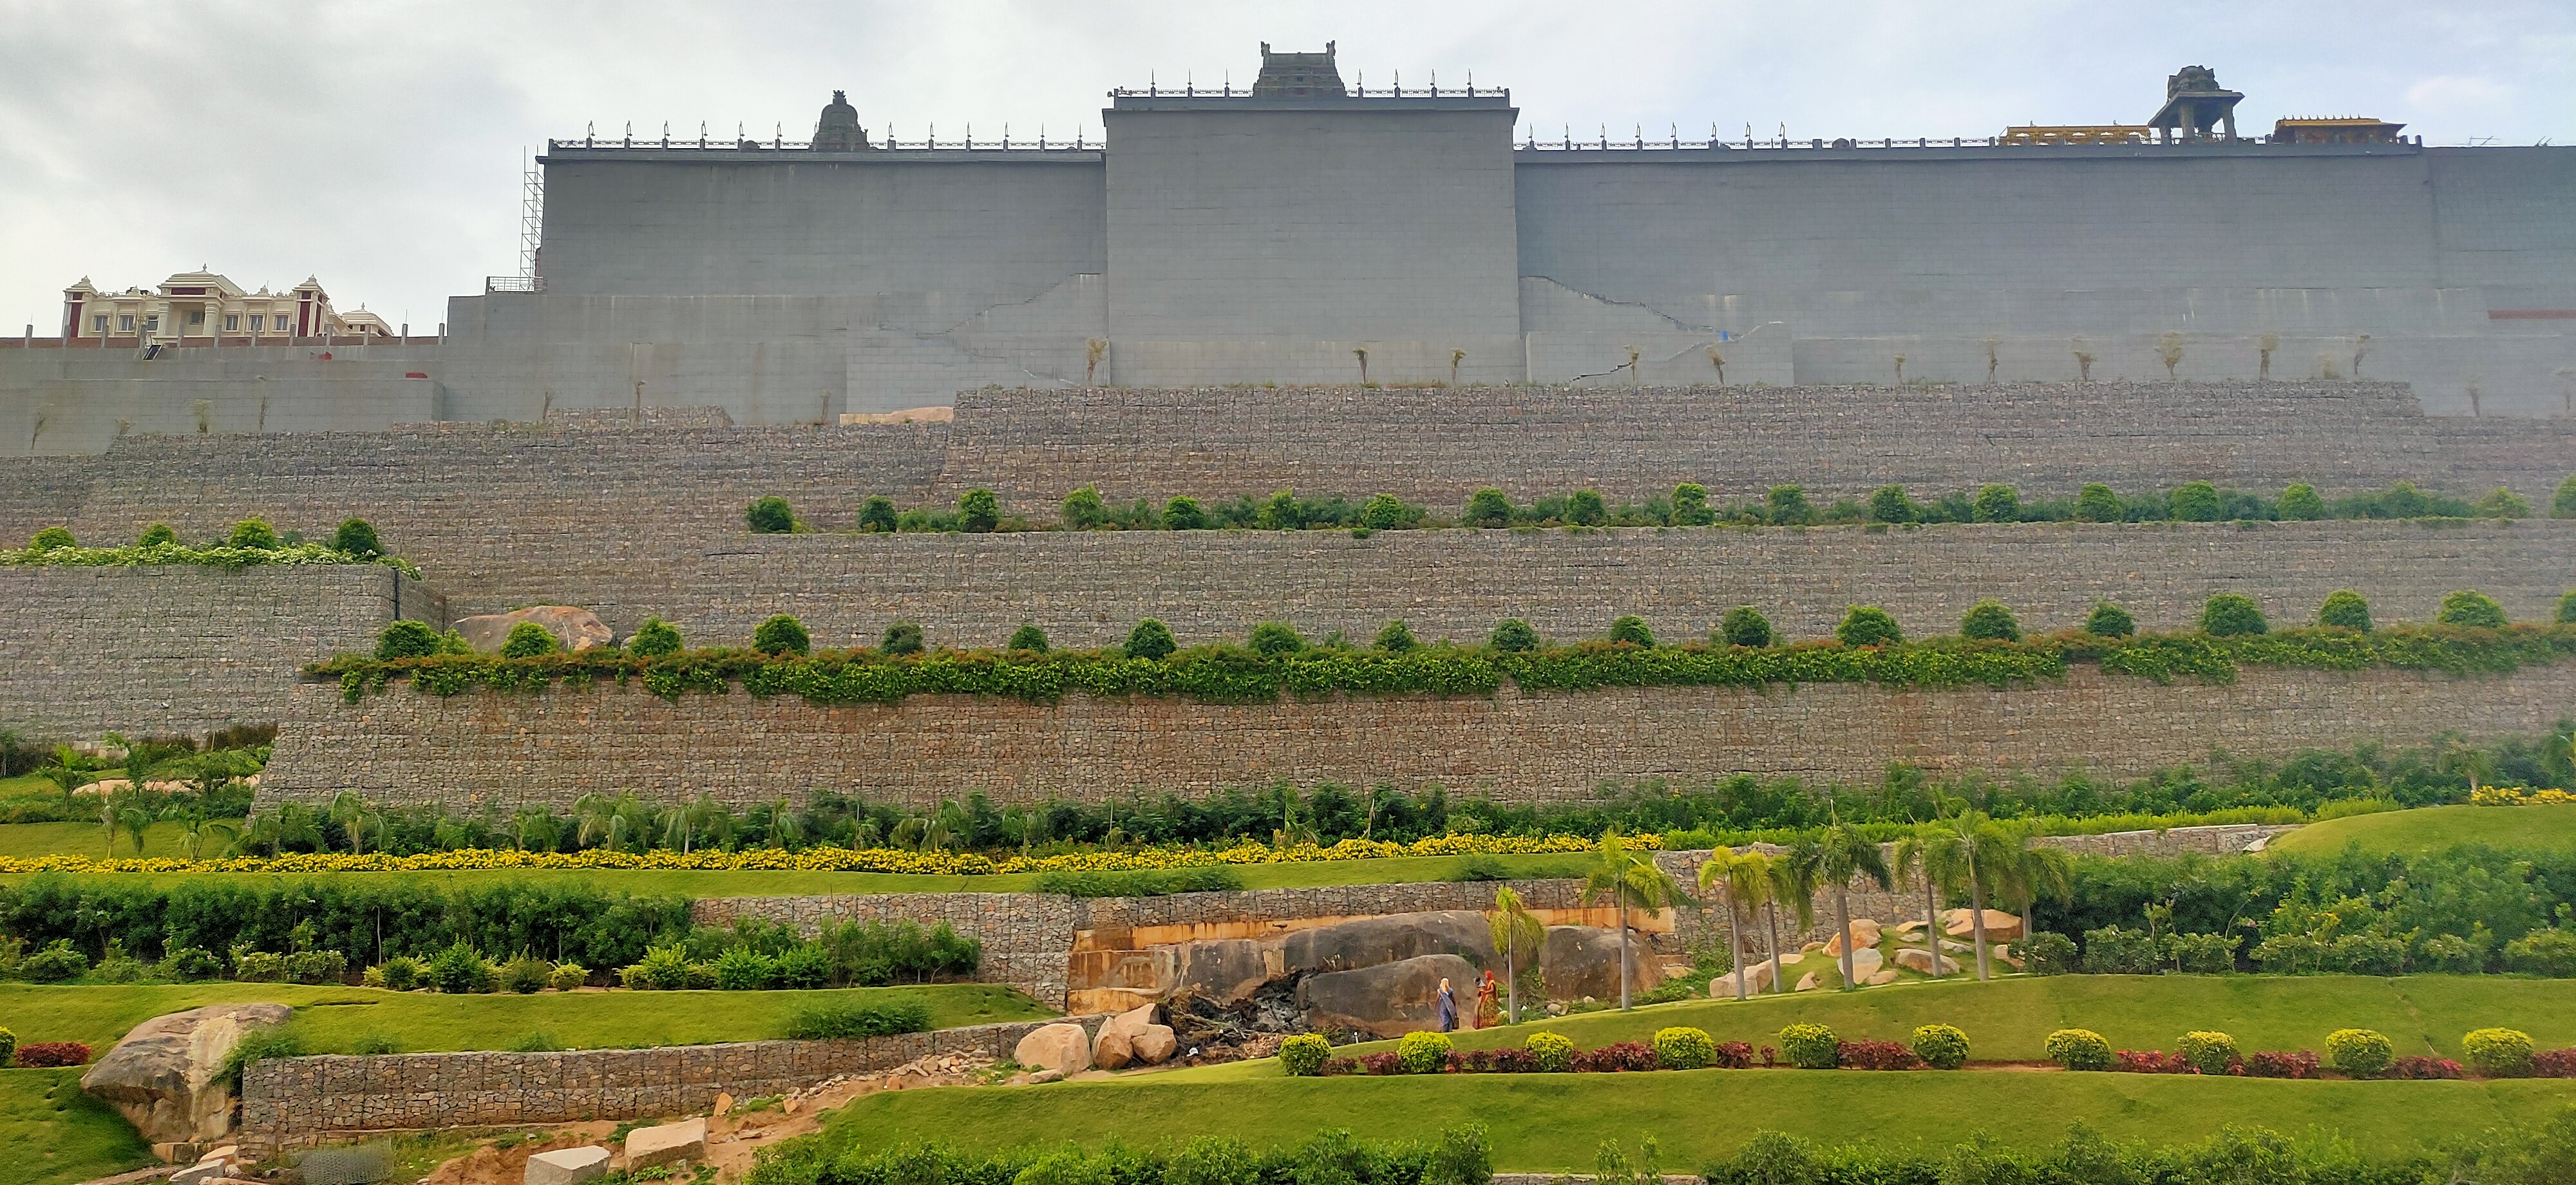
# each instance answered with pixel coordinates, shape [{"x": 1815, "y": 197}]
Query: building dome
[{"x": 838, "y": 130}]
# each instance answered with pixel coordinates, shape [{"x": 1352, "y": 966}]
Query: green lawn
[
  {"x": 335, "y": 1019},
  {"x": 60, "y": 1134},
  {"x": 2431, "y": 829},
  {"x": 82, "y": 839},
  {"x": 1553, "y": 1123}
]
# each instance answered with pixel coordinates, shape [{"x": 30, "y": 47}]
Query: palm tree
[
  {"x": 356, "y": 816},
  {"x": 2027, "y": 870},
  {"x": 1745, "y": 879},
  {"x": 786, "y": 827},
  {"x": 123, "y": 813},
  {"x": 612, "y": 823},
  {"x": 1515, "y": 929},
  {"x": 1843, "y": 855},
  {"x": 1927, "y": 855},
  {"x": 195, "y": 829},
  {"x": 534, "y": 829},
  {"x": 1977, "y": 846},
  {"x": 1793, "y": 881},
  {"x": 1630, "y": 881},
  {"x": 71, "y": 769}
]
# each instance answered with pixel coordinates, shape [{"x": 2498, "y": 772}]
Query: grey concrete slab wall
[
  {"x": 179, "y": 648},
  {"x": 2501, "y": 220},
  {"x": 74, "y": 402}
]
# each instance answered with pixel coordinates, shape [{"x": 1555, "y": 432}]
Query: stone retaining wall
[
  {"x": 492, "y": 749},
  {"x": 298, "y": 1102}
]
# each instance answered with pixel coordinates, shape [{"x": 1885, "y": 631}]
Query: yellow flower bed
[
  {"x": 830, "y": 859},
  {"x": 2516, "y": 796}
]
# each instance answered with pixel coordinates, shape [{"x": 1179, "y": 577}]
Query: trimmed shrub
[
  {"x": 1028, "y": 637},
  {"x": 781, "y": 635},
  {"x": 357, "y": 537},
  {"x": 2204, "y": 954},
  {"x": 1423, "y": 1053},
  {"x": 567, "y": 976},
  {"x": 2360, "y": 1053},
  {"x": 1684, "y": 1048},
  {"x": 1889, "y": 504},
  {"x": 2273, "y": 1063},
  {"x": 1997, "y": 504},
  {"x": 877, "y": 514},
  {"x": 2078, "y": 1049},
  {"x": 1304, "y": 1055},
  {"x": 2048, "y": 953},
  {"x": 2211, "y": 1053},
  {"x": 2095, "y": 503},
  {"x": 1083, "y": 508},
  {"x": 1281, "y": 513},
  {"x": 317, "y": 966},
  {"x": 1275, "y": 639},
  {"x": 2150, "y": 1061},
  {"x": 1989, "y": 621},
  {"x": 1942, "y": 1047},
  {"x": 191, "y": 964},
  {"x": 51, "y": 538},
  {"x": 526, "y": 975},
  {"x": 1396, "y": 637},
  {"x": 2110, "y": 621},
  {"x": 1810, "y": 1047},
  {"x": 2195, "y": 502},
  {"x": 1632, "y": 630},
  {"x": 458, "y": 970},
  {"x": 1868, "y": 625},
  {"x": 2542, "y": 952},
  {"x": 903, "y": 637},
  {"x": 39, "y": 1055},
  {"x": 841, "y": 1021},
  {"x": 2499, "y": 1053},
  {"x": 2471, "y": 607},
  {"x": 57, "y": 962},
  {"x": 530, "y": 640},
  {"x": 1787, "y": 506},
  {"x": 1487, "y": 508},
  {"x": 742, "y": 969},
  {"x": 2554, "y": 1063},
  {"x": 2346, "y": 609},
  {"x": 1514, "y": 636},
  {"x": 1875, "y": 1055},
  {"x": 1690, "y": 505},
  {"x": 1618, "y": 1057},
  {"x": 2114, "y": 951},
  {"x": 769, "y": 516},
  {"x": 157, "y": 535},
  {"x": 1744, "y": 625},
  {"x": 8, "y": 1048},
  {"x": 1584, "y": 508},
  {"x": 1553, "y": 1051},
  {"x": 407, "y": 639},
  {"x": 663, "y": 968},
  {"x": 2501, "y": 502},
  {"x": 253, "y": 534},
  {"x": 2563, "y": 505},
  {"x": 2230, "y": 615},
  {"x": 1150, "y": 639},
  {"x": 808, "y": 965},
  {"x": 2300, "y": 503},
  {"x": 400, "y": 973},
  {"x": 979, "y": 510},
  {"x": 655, "y": 638},
  {"x": 1382, "y": 512},
  {"x": 2418, "y": 1068},
  {"x": 1184, "y": 514}
]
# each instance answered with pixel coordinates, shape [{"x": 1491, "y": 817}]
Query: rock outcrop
[
  {"x": 668, "y": 1143},
  {"x": 1961, "y": 923},
  {"x": 1387, "y": 1000},
  {"x": 1132, "y": 1038},
  {"x": 578, "y": 629},
  {"x": 1579, "y": 961},
  {"x": 162, "y": 1076}
]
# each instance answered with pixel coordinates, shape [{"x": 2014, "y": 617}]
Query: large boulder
[
  {"x": 162, "y": 1076},
  {"x": 666, "y": 1144},
  {"x": 1865, "y": 934},
  {"x": 1865, "y": 963},
  {"x": 1915, "y": 958},
  {"x": 1961, "y": 923},
  {"x": 1579, "y": 961},
  {"x": 1130, "y": 1038},
  {"x": 1221, "y": 969},
  {"x": 567, "y": 1166},
  {"x": 577, "y": 629},
  {"x": 1367, "y": 942},
  {"x": 1390, "y": 999},
  {"x": 1061, "y": 1047}
]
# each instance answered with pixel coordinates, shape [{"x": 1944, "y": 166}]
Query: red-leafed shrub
[
  {"x": 2554, "y": 1063},
  {"x": 1733, "y": 1055},
  {"x": 1381, "y": 1063},
  {"x": 1770, "y": 1057},
  {"x": 2273, "y": 1063},
  {"x": 2150, "y": 1061},
  {"x": 45, "y": 1054},
  {"x": 1337, "y": 1067},
  {"x": 1617, "y": 1057},
  {"x": 1493, "y": 1061},
  {"x": 2423, "y": 1068},
  {"x": 1878, "y": 1055}
]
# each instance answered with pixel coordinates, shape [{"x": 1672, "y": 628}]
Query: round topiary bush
[
  {"x": 1150, "y": 639},
  {"x": 1810, "y": 1047},
  {"x": 1028, "y": 637},
  {"x": 2109, "y": 621},
  {"x": 2231, "y": 614},
  {"x": 2567, "y": 607},
  {"x": 903, "y": 637},
  {"x": 568, "y": 976},
  {"x": 1889, "y": 504},
  {"x": 781, "y": 635},
  {"x": 1554, "y": 1052},
  {"x": 1304, "y": 1055},
  {"x": 1989, "y": 621},
  {"x": 530, "y": 640},
  {"x": 2300, "y": 503},
  {"x": 1184, "y": 514},
  {"x": 1397, "y": 637},
  {"x": 1787, "y": 506},
  {"x": 8, "y": 1049},
  {"x": 2361, "y": 1053},
  {"x": 2195, "y": 502},
  {"x": 979, "y": 510},
  {"x": 2078, "y": 1049},
  {"x": 157, "y": 535},
  {"x": 1997, "y": 504},
  {"x": 1276, "y": 639},
  {"x": 1684, "y": 1048},
  {"x": 253, "y": 534},
  {"x": 51, "y": 538},
  {"x": 1514, "y": 636},
  {"x": 407, "y": 639},
  {"x": 769, "y": 516},
  {"x": 1690, "y": 505},
  {"x": 1382, "y": 512},
  {"x": 1942, "y": 1047},
  {"x": 1584, "y": 508},
  {"x": 2210, "y": 1052},
  {"x": 1423, "y": 1053},
  {"x": 357, "y": 537},
  {"x": 2345, "y": 609},
  {"x": 1083, "y": 509},
  {"x": 654, "y": 639},
  {"x": 2095, "y": 503},
  {"x": 877, "y": 514},
  {"x": 1487, "y": 508},
  {"x": 1868, "y": 625},
  {"x": 2471, "y": 607},
  {"x": 1744, "y": 625},
  {"x": 2498, "y": 1053},
  {"x": 1632, "y": 630}
]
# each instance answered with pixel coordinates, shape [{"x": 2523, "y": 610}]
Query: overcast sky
[{"x": 378, "y": 145}]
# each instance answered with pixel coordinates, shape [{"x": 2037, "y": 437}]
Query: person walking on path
[
  {"x": 1448, "y": 1008},
  {"x": 1489, "y": 1011}
]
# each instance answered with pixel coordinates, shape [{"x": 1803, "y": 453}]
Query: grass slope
[
  {"x": 55, "y": 1134},
  {"x": 335, "y": 1019},
  {"x": 2431, "y": 829},
  {"x": 29, "y": 840}
]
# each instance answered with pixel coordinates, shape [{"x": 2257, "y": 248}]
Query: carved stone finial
[{"x": 838, "y": 130}]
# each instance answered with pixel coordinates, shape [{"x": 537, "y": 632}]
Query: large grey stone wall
[
  {"x": 502, "y": 750},
  {"x": 179, "y": 648}
]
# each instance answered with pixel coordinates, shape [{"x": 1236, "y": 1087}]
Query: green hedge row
[{"x": 1233, "y": 674}]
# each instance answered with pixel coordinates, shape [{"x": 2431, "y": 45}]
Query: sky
[{"x": 379, "y": 146}]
